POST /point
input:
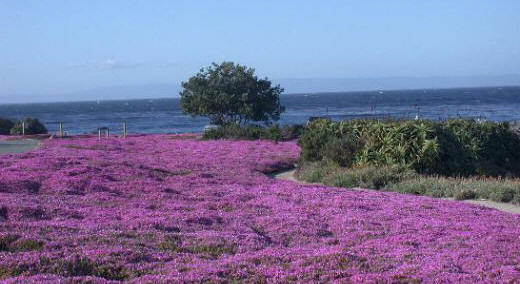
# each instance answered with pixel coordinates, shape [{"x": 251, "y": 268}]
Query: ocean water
[{"x": 165, "y": 115}]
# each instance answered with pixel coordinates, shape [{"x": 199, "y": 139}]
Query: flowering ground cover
[{"x": 161, "y": 208}]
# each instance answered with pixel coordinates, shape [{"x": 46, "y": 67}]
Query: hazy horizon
[{"x": 296, "y": 87}]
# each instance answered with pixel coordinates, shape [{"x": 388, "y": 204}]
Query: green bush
[
  {"x": 403, "y": 180},
  {"x": 254, "y": 132},
  {"x": 370, "y": 177},
  {"x": 429, "y": 186},
  {"x": 343, "y": 150},
  {"x": 486, "y": 148},
  {"x": 500, "y": 190},
  {"x": 314, "y": 138},
  {"x": 316, "y": 171},
  {"x": 365, "y": 177},
  {"x": 291, "y": 132},
  {"x": 465, "y": 194},
  {"x": 32, "y": 126},
  {"x": 5, "y": 126},
  {"x": 448, "y": 148}
]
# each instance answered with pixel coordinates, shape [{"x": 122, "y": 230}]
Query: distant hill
[
  {"x": 319, "y": 85},
  {"x": 299, "y": 85}
]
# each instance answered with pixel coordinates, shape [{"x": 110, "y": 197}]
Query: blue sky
[{"x": 57, "y": 47}]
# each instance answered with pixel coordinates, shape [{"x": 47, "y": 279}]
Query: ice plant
[{"x": 161, "y": 208}]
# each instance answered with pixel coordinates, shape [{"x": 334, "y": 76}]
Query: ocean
[{"x": 165, "y": 115}]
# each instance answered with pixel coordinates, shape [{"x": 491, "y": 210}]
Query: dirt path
[
  {"x": 18, "y": 146},
  {"x": 506, "y": 207},
  {"x": 288, "y": 175}
]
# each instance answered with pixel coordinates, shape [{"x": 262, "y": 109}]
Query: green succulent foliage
[
  {"x": 5, "y": 126},
  {"x": 32, "y": 126},
  {"x": 449, "y": 148},
  {"x": 231, "y": 93}
]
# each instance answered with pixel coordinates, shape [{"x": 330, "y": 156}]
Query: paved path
[
  {"x": 17, "y": 146},
  {"x": 506, "y": 207}
]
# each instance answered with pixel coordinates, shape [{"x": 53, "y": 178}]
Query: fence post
[
  {"x": 99, "y": 134},
  {"x": 124, "y": 129},
  {"x": 108, "y": 132},
  {"x": 23, "y": 128},
  {"x": 61, "y": 129}
]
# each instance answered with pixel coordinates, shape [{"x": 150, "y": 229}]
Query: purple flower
[{"x": 163, "y": 208}]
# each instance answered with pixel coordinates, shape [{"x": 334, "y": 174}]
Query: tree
[
  {"x": 5, "y": 126},
  {"x": 231, "y": 94},
  {"x": 32, "y": 126}
]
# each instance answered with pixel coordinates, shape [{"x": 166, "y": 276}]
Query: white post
[
  {"x": 61, "y": 130},
  {"x": 124, "y": 129},
  {"x": 99, "y": 134},
  {"x": 108, "y": 132},
  {"x": 23, "y": 128}
]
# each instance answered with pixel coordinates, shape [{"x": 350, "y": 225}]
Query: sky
[{"x": 49, "y": 49}]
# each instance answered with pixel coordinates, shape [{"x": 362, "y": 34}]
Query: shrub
[
  {"x": 253, "y": 132},
  {"x": 465, "y": 194},
  {"x": 343, "y": 150},
  {"x": 431, "y": 186},
  {"x": 317, "y": 171},
  {"x": 364, "y": 177},
  {"x": 5, "y": 126},
  {"x": 404, "y": 180},
  {"x": 516, "y": 199},
  {"x": 371, "y": 177},
  {"x": 32, "y": 126},
  {"x": 502, "y": 194},
  {"x": 314, "y": 138},
  {"x": 448, "y": 148},
  {"x": 500, "y": 190},
  {"x": 291, "y": 132},
  {"x": 488, "y": 148}
]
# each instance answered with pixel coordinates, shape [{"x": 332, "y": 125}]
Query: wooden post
[
  {"x": 23, "y": 128},
  {"x": 61, "y": 130},
  {"x": 124, "y": 129},
  {"x": 99, "y": 134}
]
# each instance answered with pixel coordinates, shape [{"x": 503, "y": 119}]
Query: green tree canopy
[{"x": 231, "y": 93}]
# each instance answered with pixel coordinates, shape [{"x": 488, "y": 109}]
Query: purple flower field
[{"x": 161, "y": 208}]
